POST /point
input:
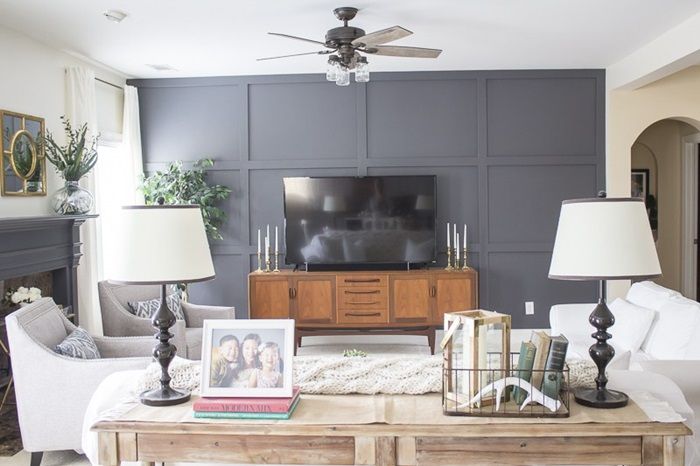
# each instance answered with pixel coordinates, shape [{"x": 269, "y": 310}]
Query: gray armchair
[
  {"x": 117, "y": 321},
  {"x": 52, "y": 390}
]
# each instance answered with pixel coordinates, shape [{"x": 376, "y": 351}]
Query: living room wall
[
  {"x": 506, "y": 146},
  {"x": 35, "y": 84}
]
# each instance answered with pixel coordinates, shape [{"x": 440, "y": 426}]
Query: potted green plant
[
  {"x": 177, "y": 185},
  {"x": 72, "y": 161}
]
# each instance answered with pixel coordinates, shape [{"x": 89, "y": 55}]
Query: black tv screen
[{"x": 360, "y": 220}]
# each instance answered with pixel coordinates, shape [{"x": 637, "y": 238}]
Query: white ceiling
[{"x": 224, "y": 37}]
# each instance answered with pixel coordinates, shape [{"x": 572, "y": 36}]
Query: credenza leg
[{"x": 431, "y": 340}]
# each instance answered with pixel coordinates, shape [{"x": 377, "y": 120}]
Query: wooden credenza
[{"x": 326, "y": 303}]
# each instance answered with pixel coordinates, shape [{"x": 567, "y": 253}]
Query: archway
[{"x": 664, "y": 172}]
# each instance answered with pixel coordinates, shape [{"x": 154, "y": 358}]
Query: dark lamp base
[
  {"x": 164, "y": 397},
  {"x": 605, "y": 399}
]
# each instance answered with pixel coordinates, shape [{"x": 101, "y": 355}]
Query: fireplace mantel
[{"x": 47, "y": 243}]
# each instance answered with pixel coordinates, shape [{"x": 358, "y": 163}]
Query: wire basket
[{"x": 458, "y": 401}]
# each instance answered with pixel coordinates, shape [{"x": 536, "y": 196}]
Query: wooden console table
[
  {"x": 177, "y": 437},
  {"x": 380, "y": 302}
]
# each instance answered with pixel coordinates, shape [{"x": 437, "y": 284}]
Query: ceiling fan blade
[
  {"x": 383, "y": 36},
  {"x": 322, "y": 52},
  {"x": 298, "y": 38},
  {"x": 397, "y": 51}
]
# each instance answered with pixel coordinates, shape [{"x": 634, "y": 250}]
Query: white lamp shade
[
  {"x": 163, "y": 244},
  {"x": 604, "y": 238}
]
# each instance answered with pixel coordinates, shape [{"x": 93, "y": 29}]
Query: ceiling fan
[{"x": 346, "y": 44}]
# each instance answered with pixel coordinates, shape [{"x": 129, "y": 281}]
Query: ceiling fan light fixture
[
  {"x": 333, "y": 68},
  {"x": 362, "y": 70},
  {"x": 343, "y": 78}
]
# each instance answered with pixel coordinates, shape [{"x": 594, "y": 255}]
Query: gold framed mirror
[{"x": 23, "y": 162}]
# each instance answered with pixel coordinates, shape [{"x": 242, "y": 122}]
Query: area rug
[{"x": 10, "y": 438}]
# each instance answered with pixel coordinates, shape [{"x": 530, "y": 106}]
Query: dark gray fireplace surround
[
  {"x": 49, "y": 243},
  {"x": 506, "y": 146}
]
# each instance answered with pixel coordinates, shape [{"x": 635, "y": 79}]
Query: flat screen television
[{"x": 360, "y": 220}]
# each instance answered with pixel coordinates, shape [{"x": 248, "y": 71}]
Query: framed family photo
[{"x": 247, "y": 358}]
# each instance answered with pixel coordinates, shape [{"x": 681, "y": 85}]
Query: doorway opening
[{"x": 665, "y": 173}]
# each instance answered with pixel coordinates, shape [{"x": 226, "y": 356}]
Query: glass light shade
[
  {"x": 332, "y": 71},
  {"x": 163, "y": 244},
  {"x": 343, "y": 77},
  {"x": 604, "y": 239},
  {"x": 362, "y": 73}
]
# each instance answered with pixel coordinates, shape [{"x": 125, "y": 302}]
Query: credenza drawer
[
  {"x": 358, "y": 316},
  {"x": 362, "y": 280},
  {"x": 363, "y": 298}
]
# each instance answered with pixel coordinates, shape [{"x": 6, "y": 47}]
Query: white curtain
[
  {"x": 132, "y": 142},
  {"x": 81, "y": 108},
  {"x": 118, "y": 181}
]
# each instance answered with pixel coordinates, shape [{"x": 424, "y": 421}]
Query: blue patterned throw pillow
[
  {"x": 149, "y": 307},
  {"x": 79, "y": 344}
]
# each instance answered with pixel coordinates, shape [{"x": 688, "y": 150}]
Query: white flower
[
  {"x": 23, "y": 289},
  {"x": 17, "y": 297},
  {"x": 34, "y": 294}
]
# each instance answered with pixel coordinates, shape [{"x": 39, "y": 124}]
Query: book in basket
[{"x": 246, "y": 405}]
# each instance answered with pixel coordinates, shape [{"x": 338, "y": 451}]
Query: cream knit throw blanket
[
  {"x": 331, "y": 375},
  {"x": 338, "y": 375}
]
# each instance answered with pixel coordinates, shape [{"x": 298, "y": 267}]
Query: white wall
[{"x": 32, "y": 81}]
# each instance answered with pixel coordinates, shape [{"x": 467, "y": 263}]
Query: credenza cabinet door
[
  {"x": 314, "y": 299},
  {"x": 269, "y": 298},
  {"x": 453, "y": 292},
  {"x": 411, "y": 298}
]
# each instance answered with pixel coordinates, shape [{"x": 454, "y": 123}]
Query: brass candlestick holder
[
  {"x": 277, "y": 261},
  {"x": 268, "y": 262},
  {"x": 259, "y": 269},
  {"x": 464, "y": 261},
  {"x": 449, "y": 259}
]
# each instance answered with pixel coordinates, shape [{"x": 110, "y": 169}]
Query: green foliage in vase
[
  {"x": 75, "y": 159},
  {"x": 180, "y": 186}
]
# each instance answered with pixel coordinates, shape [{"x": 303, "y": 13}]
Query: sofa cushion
[
  {"x": 632, "y": 324},
  {"x": 676, "y": 324},
  {"x": 79, "y": 344},
  {"x": 650, "y": 295},
  {"x": 149, "y": 307}
]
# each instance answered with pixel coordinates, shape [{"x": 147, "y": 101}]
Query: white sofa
[{"x": 656, "y": 326}]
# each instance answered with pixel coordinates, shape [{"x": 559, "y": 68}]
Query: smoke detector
[
  {"x": 161, "y": 67},
  {"x": 115, "y": 16}
]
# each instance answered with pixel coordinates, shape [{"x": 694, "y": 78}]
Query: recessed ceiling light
[
  {"x": 115, "y": 16},
  {"x": 161, "y": 67}
]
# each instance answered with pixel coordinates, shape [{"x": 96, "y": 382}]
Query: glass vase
[{"x": 72, "y": 199}]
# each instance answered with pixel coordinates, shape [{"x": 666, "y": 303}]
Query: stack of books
[
  {"x": 247, "y": 408},
  {"x": 541, "y": 362}
]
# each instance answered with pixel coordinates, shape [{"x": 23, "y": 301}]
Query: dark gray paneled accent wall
[{"x": 506, "y": 146}]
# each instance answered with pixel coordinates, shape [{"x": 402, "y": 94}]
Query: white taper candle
[
  {"x": 276, "y": 241},
  {"x": 465, "y": 236},
  {"x": 457, "y": 248},
  {"x": 448, "y": 235},
  {"x": 259, "y": 246},
  {"x": 454, "y": 236}
]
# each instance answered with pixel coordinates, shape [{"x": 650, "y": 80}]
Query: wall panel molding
[{"x": 503, "y": 176}]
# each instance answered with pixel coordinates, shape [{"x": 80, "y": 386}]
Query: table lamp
[
  {"x": 603, "y": 239},
  {"x": 163, "y": 245}
]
